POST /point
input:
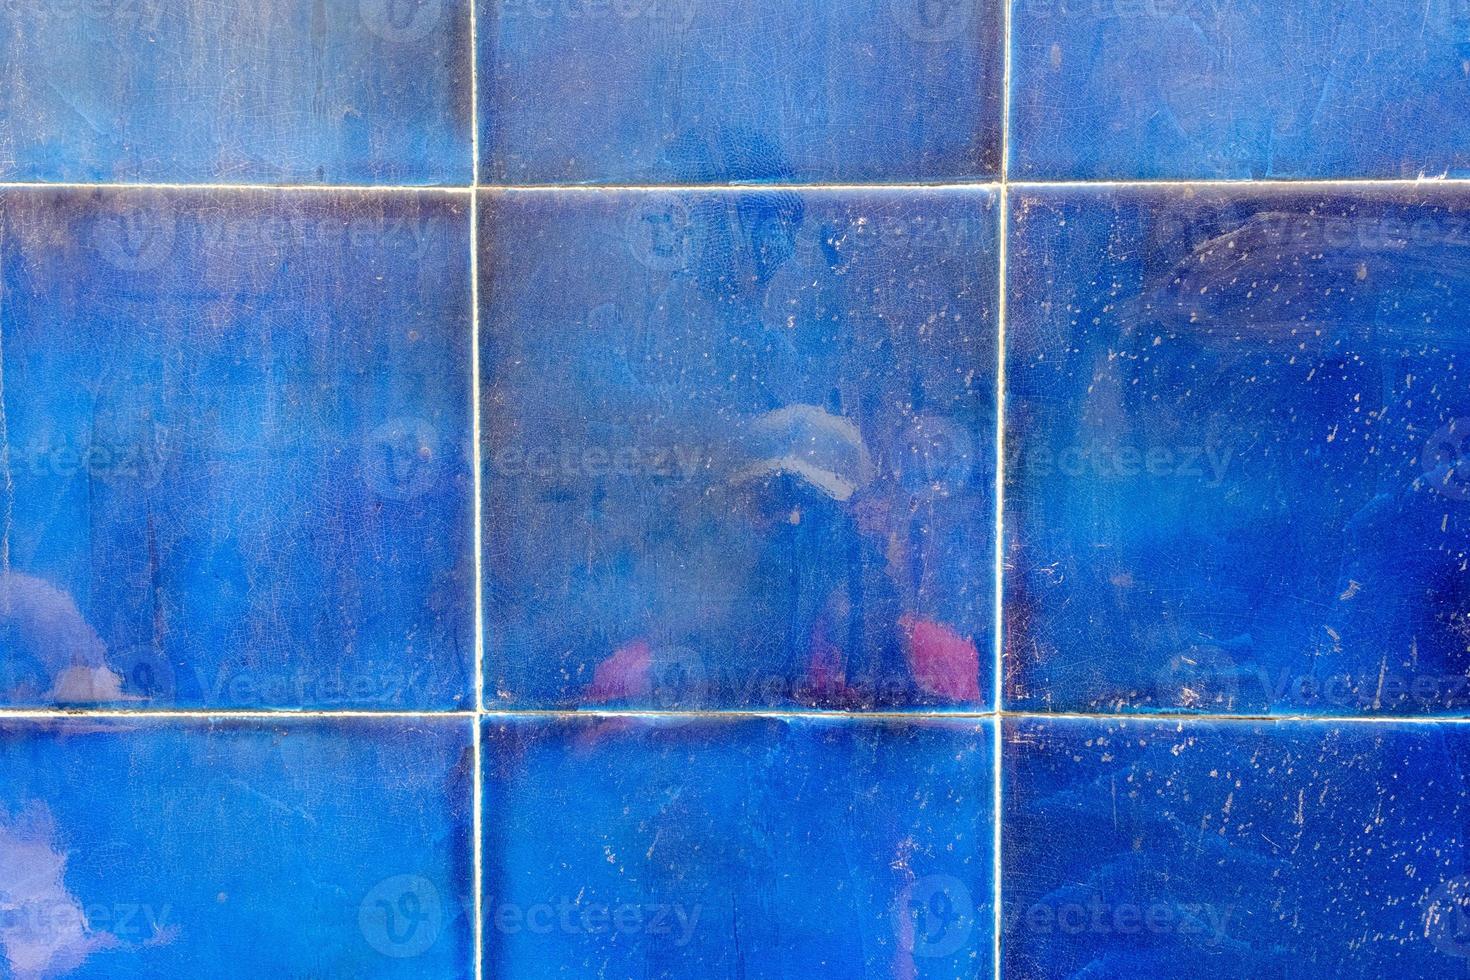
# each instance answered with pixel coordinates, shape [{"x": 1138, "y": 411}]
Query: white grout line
[
  {"x": 477, "y": 819},
  {"x": 309, "y": 188},
  {"x": 753, "y": 188},
  {"x": 1243, "y": 185},
  {"x": 734, "y": 714},
  {"x": 998, "y": 581}
]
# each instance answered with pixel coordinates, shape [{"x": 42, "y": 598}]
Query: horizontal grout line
[
  {"x": 1366, "y": 183},
  {"x": 206, "y": 714},
  {"x": 722, "y": 188},
  {"x": 319, "y": 188}
]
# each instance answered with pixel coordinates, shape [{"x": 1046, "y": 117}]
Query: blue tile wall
[
  {"x": 909, "y": 489},
  {"x": 759, "y": 848},
  {"x": 1233, "y": 849},
  {"x": 1236, "y": 425},
  {"x": 736, "y": 91},
  {"x": 274, "y": 91},
  {"x": 1238, "y": 89},
  {"x": 163, "y": 848},
  {"x": 748, "y": 462},
  {"x": 239, "y": 457}
]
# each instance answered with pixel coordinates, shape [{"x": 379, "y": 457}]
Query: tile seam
[
  {"x": 998, "y": 577},
  {"x": 286, "y": 714},
  {"x": 477, "y": 482},
  {"x": 463, "y": 190}
]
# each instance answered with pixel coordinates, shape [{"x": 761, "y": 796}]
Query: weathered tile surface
[
  {"x": 1236, "y": 474},
  {"x": 237, "y": 466},
  {"x": 738, "y": 448},
  {"x": 760, "y": 848}
]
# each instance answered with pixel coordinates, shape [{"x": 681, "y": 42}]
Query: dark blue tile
[
  {"x": 738, "y": 448},
  {"x": 728, "y": 91},
  {"x": 303, "y": 849},
  {"x": 1237, "y": 465},
  {"x": 272, "y": 91},
  {"x": 237, "y": 453},
  {"x": 1239, "y": 88},
  {"x": 757, "y": 848},
  {"x": 1202, "y": 850}
]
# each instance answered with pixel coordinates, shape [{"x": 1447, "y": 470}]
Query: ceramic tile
[
  {"x": 236, "y": 450},
  {"x": 738, "y": 448},
  {"x": 1221, "y": 89},
  {"x": 273, "y": 91},
  {"x": 235, "y": 849},
  {"x": 1236, "y": 474},
  {"x": 1234, "y": 849},
  {"x": 728, "y": 91},
  {"x": 758, "y": 848}
]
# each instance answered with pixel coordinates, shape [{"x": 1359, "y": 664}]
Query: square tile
[
  {"x": 303, "y": 848},
  {"x": 1238, "y": 89},
  {"x": 1237, "y": 452},
  {"x": 734, "y": 91},
  {"x": 237, "y": 452},
  {"x": 758, "y": 848},
  {"x": 738, "y": 448},
  {"x": 1199, "y": 850},
  {"x": 272, "y": 91}
]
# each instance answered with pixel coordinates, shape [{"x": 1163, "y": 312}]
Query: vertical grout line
[
  {"x": 998, "y": 692},
  {"x": 477, "y": 818}
]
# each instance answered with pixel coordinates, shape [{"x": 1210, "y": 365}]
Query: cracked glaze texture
[
  {"x": 142, "y": 849},
  {"x": 268, "y": 91},
  {"x": 733, "y": 91},
  {"x": 1236, "y": 476},
  {"x": 741, "y": 453},
  {"x": 1204, "y": 850},
  {"x": 758, "y": 848},
  {"x": 1239, "y": 89},
  {"x": 236, "y": 450}
]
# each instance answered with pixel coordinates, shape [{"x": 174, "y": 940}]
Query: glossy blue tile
[
  {"x": 233, "y": 849},
  {"x": 1199, "y": 850},
  {"x": 730, "y": 91},
  {"x": 1237, "y": 455},
  {"x": 757, "y": 848},
  {"x": 272, "y": 91},
  {"x": 1130, "y": 89},
  {"x": 738, "y": 448},
  {"x": 236, "y": 449}
]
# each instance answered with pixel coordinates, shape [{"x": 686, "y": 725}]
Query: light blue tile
[
  {"x": 722, "y": 91},
  {"x": 738, "y": 448},
  {"x": 1237, "y": 461},
  {"x": 1134, "y": 89},
  {"x": 1204, "y": 850},
  {"x": 757, "y": 848},
  {"x": 234, "y": 849},
  {"x": 271, "y": 91},
  {"x": 237, "y": 449}
]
